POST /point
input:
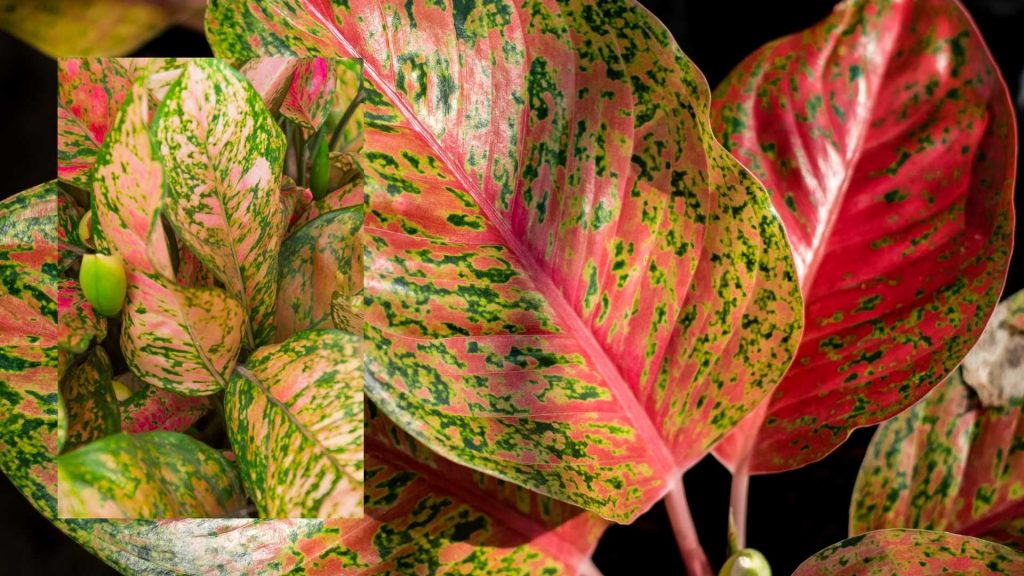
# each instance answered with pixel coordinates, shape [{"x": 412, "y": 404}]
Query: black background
[{"x": 791, "y": 516}]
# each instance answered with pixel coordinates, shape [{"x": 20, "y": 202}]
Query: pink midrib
[{"x": 648, "y": 434}]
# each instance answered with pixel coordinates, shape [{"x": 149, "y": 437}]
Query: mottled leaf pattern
[
  {"x": 271, "y": 78},
  {"x": 885, "y": 136},
  {"x": 347, "y": 311},
  {"x": 89, "y": 402},
  {"x": 222, "y": 184},
  {"x": 148, "y": 475},
  {"x": 68, "y": 215},
  {"x": 570, "y": 283},
  {"x": 294, "y": 416},
  {"x": 322, "y": 257},
  {"x": 912, "y": 553},
  {"x": 182, "y": 339},
  {"x": 78, "y": 324},
  {"x": 150, "y": 408},
  {"x": 949, "y": 463},
  {"x": 311, "y": 93}
]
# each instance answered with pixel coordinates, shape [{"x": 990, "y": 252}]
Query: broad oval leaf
[
  {"x": 89, "y": 403},
  {"x": 885, "y": 136},
  {"x": 950, "y": 463},
  {"x": 912, "y": 553},
  {"x": 311, "y": 93},
  {"x": 570, "y": 284},
  {"x": 295, "y": 419},
  {"x": 78, "y": 323},
  {"x": 148, "y": 475},
  {"x": 151, "y": 408},
  {"x": 182, "y": 339},
  {"x": 223, "y": 156}
]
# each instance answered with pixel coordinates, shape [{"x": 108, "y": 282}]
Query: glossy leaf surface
[
  {"x": 182, "y": 339},
  {"x": 151, "y": 408},
  {"x": 885, "y": 136},
  {"x": 89, "y": 402},
  {"x": 78, "y": 324},
  {"x": 570, "y": 284},
  {"x": 912, "y": 553},
  {"x": 311, "y": 93},
  {"x": 295, "y": 419},
  {"x": 68, "y": 242},
  {"x": 949, "y": 463},
  {"x": 148, "y": 475},
  {"x": 224, "y": 155}
]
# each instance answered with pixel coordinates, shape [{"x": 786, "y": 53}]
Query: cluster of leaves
[
  {"x": 584, "y": 271},
  {"x": 231, "y": 381}
]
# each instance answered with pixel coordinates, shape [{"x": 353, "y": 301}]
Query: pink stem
[
  {"x": 686, "y": 533},
  {"x": 738, "y": 499}
]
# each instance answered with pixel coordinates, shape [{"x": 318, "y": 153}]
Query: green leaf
[
  {"x": 89, "y": 401},
  {"x": 223, "y": 156},
  {"x": 181, "y": 339},
  {"x": 912, "y": 553},
  {"x": 570, "y": 284},
  {"x": 148, "y": 475},
  {"x": 295, "y": 419},
  {"x": 78, "y": 323},
  {"x": 322, "y": 257}
]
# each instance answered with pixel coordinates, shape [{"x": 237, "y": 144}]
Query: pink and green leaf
[
  {"x": 520, "y": 203},
  {"x": 151, "y": 408},
  {"x": 311, "y": 93},
  {"x": 224, "y": 156},
  {"x": 949, "y": 462},
  {"x": 89, "y": 403},
  {"x": 885, "y": 136},
  {"x": 78, "y": 324},
  {"x": 68, "y": 242},
  {"x": 271, "y": 77},
  {"x": 912, "y": 553},
  {"x": 295, "y": 420},
  {"x": 147, "y": 475}
]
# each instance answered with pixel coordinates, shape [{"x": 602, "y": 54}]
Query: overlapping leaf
[
  {"x": 89, "y": 402},
  {"x": 311, "y": 93},
  {"x": 182, "y": 339},
  {"x": 151, "y": 408},
  {"x": 68, "y": 216},
  {"x": 294, "y": 416},
  {"x": 570, "y": 284},
  {"x": 321, "y": 258},
  {"x": 78, "y": 324},
  {"x": 885, "y": 136},
  {"x": 912, "y": 553},
  {"x": 222, "y": 183},
  {"x": 147, "y": 475},
  {"x": 948, "y": 463}
]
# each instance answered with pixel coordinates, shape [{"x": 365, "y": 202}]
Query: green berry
[
  {"x": 746, "y": 562},
  {"x": 321, "y": 170},
  {"x": 103, "y": 282}
]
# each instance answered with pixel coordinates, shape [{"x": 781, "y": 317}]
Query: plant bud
[
  {"x": 746, "y": 562},
  {"x": 103, "y": 282}
]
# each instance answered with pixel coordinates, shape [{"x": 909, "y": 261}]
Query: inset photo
[{"x": 210, "y": 288}]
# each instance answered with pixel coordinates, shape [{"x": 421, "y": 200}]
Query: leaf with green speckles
[
  {"x": 78, "y": 324},
  {"x": 912, "y": 553},
  {"x": 89, "y": 401},
  {"x": 182, "y": 339},
  {"x": 224, "y": 155},
  {"x": 147, "y": 475},
  {"x": 951, "y": 463},
  {"x": 321, "y": 258},
  {"x": 891, "y": 130},
  {"x": 93, "y": 27},
  {"x": 151, "y": 408},
  {"x": 68, "y": 242},
  {"x": 347, "y": 311},
  {"x": 311, "y": 93},
  {"x": 569, "y": 283},
  {"x": 271, "y": 78},
  {"x": 295, "y": 419}
]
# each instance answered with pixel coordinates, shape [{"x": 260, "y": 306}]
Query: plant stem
[
  {"x": 694, "y": 559},
  {"x": 300, "y": 155},
  {"x": 345, "y": 117},
  {"x": 738, "y": 500}
]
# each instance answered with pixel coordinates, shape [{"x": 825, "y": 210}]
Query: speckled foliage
[
  {"x": 913, "y": 553},
  {"x": 570, "y": 284},
  {"x": 78, "y": 322},
  {"x": 90, "y": 405},
  {"x": 948, "y": 463},
  {"x": 152, "y": 408},
  {"x": 294, "y": 416},
  {"x": 68, "y": 242},
  {"x": 311, "y": 94},
  {"x": 885, "y": 136}
]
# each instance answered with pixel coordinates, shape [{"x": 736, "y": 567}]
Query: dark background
[{"x": 791, "y": 515}]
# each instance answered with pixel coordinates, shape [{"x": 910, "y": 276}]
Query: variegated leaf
[
  {"x": 148, "y": 475},
  {"x": 182, "y": 339},
  {"x": 345, "y": 196},
  {"x": 311, "y": 93},
  {"x": 89, "y": 403},
  {"x": 151, "y": 408},
  {"x": 886, "y": 138},
  {"x": 271, "y": 78},
  {"x": 68, "y": 242},
  {"x": 78, "y": 324},
  {"x": 89, "y": 94},
  {"x": 950, "y": 463},
  {"x": 224, "y": 158},
  {"x": 321, "y": 258},
  {"x": 347, "y": 311},
  {"x": 295, "y": 419},
  {"x": 912, "y": 553},
  {"x": 571, "y": 285}
]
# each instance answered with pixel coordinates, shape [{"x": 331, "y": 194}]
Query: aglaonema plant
[{"x": 205, "y": 280}]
